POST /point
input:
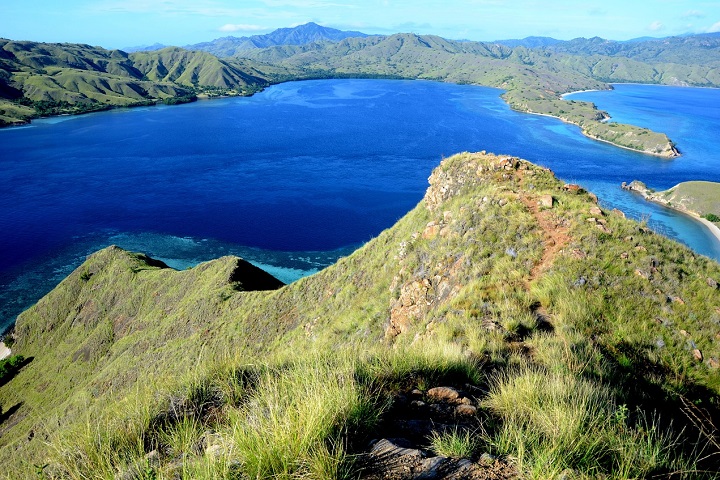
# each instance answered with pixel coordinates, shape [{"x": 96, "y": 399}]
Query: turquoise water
[{"x": 296, "y": 176}]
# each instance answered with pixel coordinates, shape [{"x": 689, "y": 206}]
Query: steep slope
[
  {"x": 186, "y": 67},
  {"x": 503, "y": 282},
  {"x": 302, "y": 34}
]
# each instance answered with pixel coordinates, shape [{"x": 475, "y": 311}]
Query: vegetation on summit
[{"x": 507, "y": 319}]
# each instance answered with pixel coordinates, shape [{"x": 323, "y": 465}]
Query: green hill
[
  {"x": 39, "y": 79},
  {"x": 574, "y": 342},
  {"x": 190, "y": 68}
]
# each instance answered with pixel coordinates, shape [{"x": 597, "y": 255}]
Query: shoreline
[
  {"x": 643, "y": 192},
  {"x": 563, "y": 95},
  {"x": 600, "y": 139}
]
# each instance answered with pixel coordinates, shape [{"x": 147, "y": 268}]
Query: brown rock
[
  {"x": 465, "y": 410},
  {"x": 596, "y": 211},
  {"x": 619, "y": 213},
  {"x": 684, "y": 333},
  {"x": 545, "y": 201},
  {"x": 431, "y": 230},
  {"x": 602, "y": 228},
  {"x": 593, "y": 197},
  {"x": 697, "y": 354},
  {"x": 572, "y": 188},
  {"x": 642, "y": 274},
  {"x": 508, "y": 163},
  {"x": 712, "y": 282},
  {"x": 443, "y": 394},
  {"x": 713, "y": 363}
]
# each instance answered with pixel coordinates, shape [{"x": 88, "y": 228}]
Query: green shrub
[
  {"x": 10, "y": 366},
  {"x": 711, "y": 217}
]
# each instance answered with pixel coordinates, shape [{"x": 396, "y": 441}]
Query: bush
[
  {"x": 711, "y": 217},
  {"x": 10, "y": 366}
]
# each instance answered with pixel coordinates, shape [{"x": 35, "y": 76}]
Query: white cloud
[
  {"x": 306, "y": 4},
  {"x": 167, "y": 7},
  {"x": 715, "y": 28},
  {"x": 241, "y": 27},
  {"x": 656, "y": 26},
  {"x": 694, "y": 14}
]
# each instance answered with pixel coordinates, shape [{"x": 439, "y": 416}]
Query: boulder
[
  {"x": 465, "y": 410},
  {"x": 697, "y": 355},
  {"x": 443, "y": 394},
  {"x": 596, "y": 211},
  {"x": 545, "y": 201}
]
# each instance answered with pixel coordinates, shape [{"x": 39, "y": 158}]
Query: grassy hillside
[
  {"x": 575, "y": 341},
  {"x": 38, "y": 79}
]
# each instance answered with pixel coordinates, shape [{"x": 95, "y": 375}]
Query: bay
[{"x": 291, "y": 178}]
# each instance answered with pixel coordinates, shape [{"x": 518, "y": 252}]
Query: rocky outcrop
[{"x": 405, "y": 451}]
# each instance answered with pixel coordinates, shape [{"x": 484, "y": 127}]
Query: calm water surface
[{"x": 303, "y": 173}]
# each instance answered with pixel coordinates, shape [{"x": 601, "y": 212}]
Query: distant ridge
[
  {"x": 300, "y": 35},
  {"x": 529, "y": 42},
  {"x": 145, "y": 48}
]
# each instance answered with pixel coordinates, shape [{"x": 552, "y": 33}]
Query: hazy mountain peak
[{"x": 300, "y": 35}]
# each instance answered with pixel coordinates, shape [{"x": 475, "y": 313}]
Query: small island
[{"x": 698, "y": 199}]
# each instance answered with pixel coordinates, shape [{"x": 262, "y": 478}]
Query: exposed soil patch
[{"x": 555, "y": 235}]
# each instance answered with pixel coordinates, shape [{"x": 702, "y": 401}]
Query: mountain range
[{"x": 308, "y": 33}]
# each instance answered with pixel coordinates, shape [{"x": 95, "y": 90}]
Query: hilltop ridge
[{"x": 579, "y": 340}]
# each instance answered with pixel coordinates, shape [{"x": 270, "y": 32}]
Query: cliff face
[{"x": 500, "y": 263}]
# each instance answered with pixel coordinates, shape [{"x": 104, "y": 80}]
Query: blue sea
[{"x": 303, "y": 173}]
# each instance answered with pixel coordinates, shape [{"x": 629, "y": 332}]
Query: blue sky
[{"x": 125, "y": 23}]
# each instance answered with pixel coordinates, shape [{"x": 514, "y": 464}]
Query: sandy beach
[
  {"x": 581, "y": 91},
  {"x": 4, "y": 351},
  {"x": 713, "y": 228}
]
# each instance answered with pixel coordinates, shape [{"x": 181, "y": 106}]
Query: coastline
[
  {"x": 642, "y": 190},
  {"x": 584, "y": 91},
  {"x": 600, "y": 139}
]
